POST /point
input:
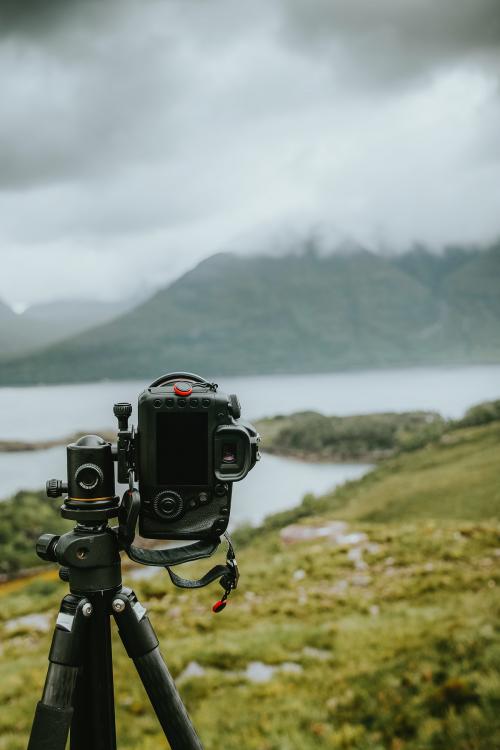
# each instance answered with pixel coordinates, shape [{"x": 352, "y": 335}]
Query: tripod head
[{"x": 90, "y": 487}]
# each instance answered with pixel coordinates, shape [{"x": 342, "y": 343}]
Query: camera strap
[{"x": 227, "y": 574}]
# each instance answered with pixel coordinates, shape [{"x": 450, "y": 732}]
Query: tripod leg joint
[
  {"x": 133, "y": 623},
  {"x": 67, "y": 641}
]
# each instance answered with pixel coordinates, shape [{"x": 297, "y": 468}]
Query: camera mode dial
[
  {"x": 168, "y": 505},
  {"x": 88, "y": 476}
]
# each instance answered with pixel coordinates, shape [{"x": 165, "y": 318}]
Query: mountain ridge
[{"x": 235, "y": 314}]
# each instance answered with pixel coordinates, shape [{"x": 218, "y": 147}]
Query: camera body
[{"x": 191, "y": 445}]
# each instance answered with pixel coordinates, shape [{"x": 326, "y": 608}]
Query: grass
[
  {"x": 398, "y": 650},
  {"x": 364, "y": 437}
]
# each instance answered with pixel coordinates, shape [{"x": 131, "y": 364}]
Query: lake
[
  {"x": 275, "y": 484},
  {"x": 56, "y": 411}
]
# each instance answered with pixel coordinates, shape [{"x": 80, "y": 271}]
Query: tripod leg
[
  {"x": 141, "y": 645},
  {"x": 54, "y": 712},
  {"x": 93, "y": 723}
]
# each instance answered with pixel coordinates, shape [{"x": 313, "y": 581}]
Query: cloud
[
  {"x": 151, "y": 133},
  {"x": 394, "y": 42}
]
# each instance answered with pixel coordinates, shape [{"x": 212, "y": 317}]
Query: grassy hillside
[
  {"x": 384, "y": 641},
  {"x": 299, "y": 313},
  {"x": 365, "y": 437},
  {"x": 362, "y": 437},
  {"x": 22, "y": 519}
]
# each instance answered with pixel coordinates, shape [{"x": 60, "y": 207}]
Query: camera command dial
[{"x": 168, "y": 505}]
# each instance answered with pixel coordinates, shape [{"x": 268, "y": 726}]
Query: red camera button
[{"x": 183, "y": 389}]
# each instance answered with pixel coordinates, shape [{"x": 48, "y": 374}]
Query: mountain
[
  {"x": 82, "y": 314},
  {"x": 44, "y": 324},
  {"x": 19, "y": 334},
  {"x": 298, "y": 313}
]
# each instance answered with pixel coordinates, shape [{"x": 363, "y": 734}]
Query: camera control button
[
  {"x": 220, "y": 525},
  {"x": 183, "y": 388},
  {"x": 194, "y": 402},
  {"x": 169, "y": 402},
  {"x": 168, "y": 505},
  {"x": 205, "y": 402},
  {"x": 182, "y": 402},
  {"x": 220, "y": 489},
  {"x": 204, "y": 498}
]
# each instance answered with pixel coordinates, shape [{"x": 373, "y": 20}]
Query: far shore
[
  {"x": 29, "y": 446},
  {"x": 25, "y": 446}
]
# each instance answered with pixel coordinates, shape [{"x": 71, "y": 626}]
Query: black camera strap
[{"x": 227, "y": 574}]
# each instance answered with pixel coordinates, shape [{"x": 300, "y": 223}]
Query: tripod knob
[
  {"x": 45, "y": 547},
  {"x": 122, "y": 412},
  {"x": 56, "y": 488}
]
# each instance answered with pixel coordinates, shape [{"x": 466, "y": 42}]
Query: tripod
[{"x": 78, "y": 692}]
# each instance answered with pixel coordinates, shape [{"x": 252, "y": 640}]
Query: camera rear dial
[{"x": 168, "y": 505}]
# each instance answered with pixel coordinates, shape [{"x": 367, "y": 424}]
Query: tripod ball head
[{"x": 90, "y": 470}]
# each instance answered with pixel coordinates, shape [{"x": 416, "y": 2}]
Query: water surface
[
  {"x": 275, "y": 484},
  {"x": 43, "y": 412},
  {"x": 39, "y": 412}
]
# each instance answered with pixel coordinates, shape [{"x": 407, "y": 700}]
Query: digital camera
[{"x": 189, "y": 448}]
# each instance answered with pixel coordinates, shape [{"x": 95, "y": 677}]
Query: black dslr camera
[{"x": 189, "y": 448}]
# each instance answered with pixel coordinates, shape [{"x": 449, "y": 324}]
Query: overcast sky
[{"x": 139, "y": 136}]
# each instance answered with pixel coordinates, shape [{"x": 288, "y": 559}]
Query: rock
[
  {"x": 257, "y": 671},
  {"x": 143, "y": 573},
  {"x": 291, "y": 667},
  {"x": 333, "y": 531},
  {"x": 316, "y": 653},
  {"x": 30, "y": 622},
  {"x": 193, "y": 669}
]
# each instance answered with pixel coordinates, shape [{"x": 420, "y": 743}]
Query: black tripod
[{"x": 78, "y": 692}]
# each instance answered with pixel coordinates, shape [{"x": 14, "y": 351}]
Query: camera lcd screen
[{"x": 182, "y": 448}]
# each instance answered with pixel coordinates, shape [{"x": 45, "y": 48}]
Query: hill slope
[
  {"x": 386, "y": 638},
  {"x": 43, "y": 325},
  {"x": 300, "y": 313}
]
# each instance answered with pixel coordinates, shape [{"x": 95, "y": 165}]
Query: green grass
[
  {"x": 362, "y": 437},
  {"x": 400, "y": 654},
  {"x": 22, "y": 519},
  {"x": 457, "y": 478}
]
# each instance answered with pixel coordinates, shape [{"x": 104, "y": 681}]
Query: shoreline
[
  {"x": 334, "y": 458},
  {"x": 24, "y": 446},
  {"x": 31, "y": 446}
]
